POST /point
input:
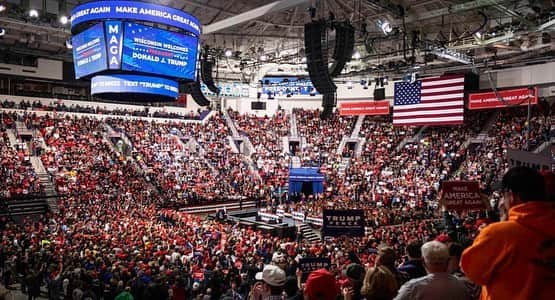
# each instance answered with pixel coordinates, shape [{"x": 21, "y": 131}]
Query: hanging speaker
[
  {"x": 316, "y": 56},
  {"x": 344, "y": 46},
  {"x": 193, "y": 89},
  {"x": 206, "y": 66},
  {"x": 329, "y": 101}
]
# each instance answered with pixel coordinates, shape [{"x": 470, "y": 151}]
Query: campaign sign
[
  {"x": 307, "y": 265},
  {"x": 89, "y": 51},
  {"x": 120, "y": 83},
  {"x": 461, "y": 195},
  {"x": 151, "y": 50},
  {"x": 512, "y": 97},
  {"x": 133, "y": 10},
  {"x": 364, "y": 108},
  {"x": 114, "y": 36},
  {"x": 343, "y": 222}
]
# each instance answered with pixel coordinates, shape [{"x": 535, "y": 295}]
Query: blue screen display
[
  {"x": 282, "y": 86},
  {"x": 122, "y": 83},
  {"x": 151, "y": 50},
  {"x": 89, "y": 51},
  {"x": 134, "y": 10}
]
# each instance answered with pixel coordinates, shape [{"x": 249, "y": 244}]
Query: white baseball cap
[{"x": 272, "y": 275}]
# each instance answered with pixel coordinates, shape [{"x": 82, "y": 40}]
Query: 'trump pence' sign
[
  {"x": 308, "y": 265},
  {"x": 461, "y": 195},
  {"x": 343, "y": 222}
]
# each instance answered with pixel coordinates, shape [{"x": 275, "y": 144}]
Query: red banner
[
  {"x": 511, "y": 97},
  {"x": 461, "y": 195},
  {"x": 366, "y": 108}
]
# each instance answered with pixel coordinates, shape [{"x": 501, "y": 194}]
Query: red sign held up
[
  {"x": 511, "y": 97},
  {"x": 365, "y": 108},
  {"x": 461, "y": 195}
]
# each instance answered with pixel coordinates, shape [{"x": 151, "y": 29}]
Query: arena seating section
[{"x": 117, "y": 214}]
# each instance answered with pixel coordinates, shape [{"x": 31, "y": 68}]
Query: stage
[{"x": 284, "y": 227}]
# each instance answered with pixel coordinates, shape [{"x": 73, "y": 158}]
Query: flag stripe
[
  {"x": 443, "y": 97},
  {"x": 438, "y": 123},
  {"x": 427, "y": 121},
  {"x": 429, "y": 115},
  {"x": 427, "y": 106},
  {"x": 437, "y": 110},
  {"x": 431, "y": 101},
  {"x": 435, "y": 90}
]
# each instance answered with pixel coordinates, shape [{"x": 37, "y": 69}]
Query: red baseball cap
[{"x": 321, "y": 285}]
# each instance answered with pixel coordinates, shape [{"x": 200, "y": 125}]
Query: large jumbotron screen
[
  {"x": 145, "y": 49},
  {"x": 155, "y": 51},
  {"x": 89, "y": 51}
]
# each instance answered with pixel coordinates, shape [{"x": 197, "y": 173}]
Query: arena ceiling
[{"x": 510, "y": 31}]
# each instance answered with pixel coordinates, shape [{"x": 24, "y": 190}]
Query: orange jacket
[{"x": 515, "y": 259}]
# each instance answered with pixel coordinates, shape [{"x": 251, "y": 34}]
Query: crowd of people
[
  {"x": 18, "y": 176},
  {"x": 116, "y": 237},
  {"x": 90, "y": 109}
]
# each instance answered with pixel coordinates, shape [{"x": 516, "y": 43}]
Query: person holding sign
[{"x": 513, "y": 259}]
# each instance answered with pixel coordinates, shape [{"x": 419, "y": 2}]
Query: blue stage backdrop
[
  {"x": 151, "y": 50},
  {"x": 89, "y": 51},
  {"x": 298, "y": 176}
]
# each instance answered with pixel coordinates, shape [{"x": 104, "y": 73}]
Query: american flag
[{"x": 431, "y": 101}]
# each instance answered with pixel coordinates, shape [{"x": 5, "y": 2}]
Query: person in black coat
[{"x": 413, "y": 266}]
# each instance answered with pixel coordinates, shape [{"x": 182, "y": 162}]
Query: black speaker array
[
  {"x": 329, "y": 101},
  {"x": 344, "y": 46},
  {"x": 317, "y": 56},
  {"x": 206, "y": 66},
  {"x": 193, "y": 89}
]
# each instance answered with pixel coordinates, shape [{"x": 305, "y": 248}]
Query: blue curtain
[{"x": 299, "y": 175}]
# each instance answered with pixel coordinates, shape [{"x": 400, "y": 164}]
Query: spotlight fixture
[
  {"x": 33, "y": 13},
  {"x": 228, "y": 52},
  {"x": 303, "y": 60},
  {"x": 385, "y": 26},
  {"x": 63, "y": 20},
  {"x": 356, "y": 55},
  {"x": 69, "y": 45},
  {"x": 2, "y": 7},
  {"x": 478, "y": 35},
  {"x": 263, "y": 57},
  {"x": 385, "y": 80},
  {"x": 2, "y": 32}
]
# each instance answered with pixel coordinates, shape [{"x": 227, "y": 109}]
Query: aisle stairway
[
  {"x": 358, "y": 126},
  {"x": 342, "y": 145},
  {"x": 411, "y": 139},
  {"x": 46, "y": 182},
  {"x": 308, "y": 233},
  {"x": 230, "y": 124},
  {"x": 293, "y": 130},
  {"x": 11, "y": 137}
]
